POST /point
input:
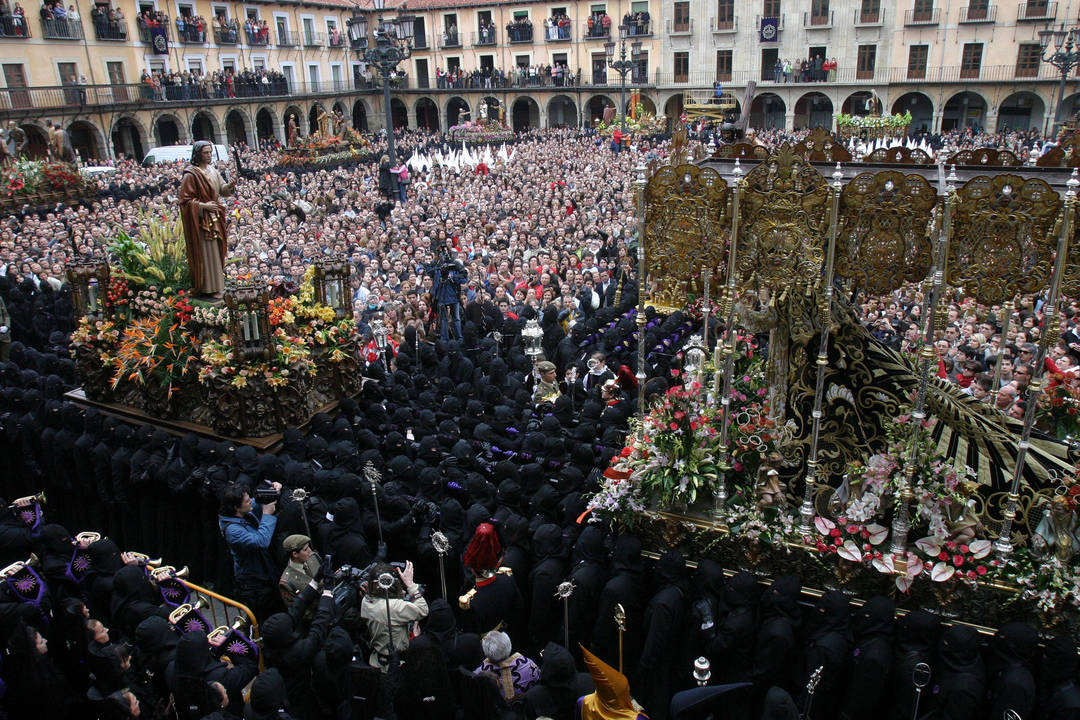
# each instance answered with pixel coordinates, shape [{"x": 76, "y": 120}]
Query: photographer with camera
[
  {"x": 248, "y": 527},
  {"x": 448, "y": 275},
  {"x": 392, "y": 595}
]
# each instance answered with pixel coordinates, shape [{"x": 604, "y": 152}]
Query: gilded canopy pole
[
  {"x": 639, "y": 189},
  {"x": 806, "y": 510},
  {"x": 931, "y": 317},
  {"x": 1007, "y": 309},
  {"x": 727, "y": 307},
  {"x": 1003, "y": 545}
]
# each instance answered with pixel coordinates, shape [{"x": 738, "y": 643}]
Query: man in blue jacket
[{"x": 248, "y": 528}]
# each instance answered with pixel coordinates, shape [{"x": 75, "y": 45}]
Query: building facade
[{"x": 92, "y": 64}]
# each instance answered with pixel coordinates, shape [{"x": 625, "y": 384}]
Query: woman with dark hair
[
  {"x": 426, "y": 693},
  {"x": 35, "y": 686}
]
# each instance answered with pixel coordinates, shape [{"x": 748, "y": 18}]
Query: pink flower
[
  {"x": 958, "y": 560},
  {"x": 981, "y": 569},
  {"x": 673, "y": 426}
]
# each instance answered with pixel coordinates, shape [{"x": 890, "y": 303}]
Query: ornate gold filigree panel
[
  {"x": 885, "y": 226},
  {"x": 1070, "y": 276},
  {"x": 687, "y": 227},
  {"x": 1002, "y": 241},
  {"x": 821, "y": 146},
  {"x": 900, "y": 155},
  {"x": 985, "y": 157},
  {"x": 784, "y": 223}
]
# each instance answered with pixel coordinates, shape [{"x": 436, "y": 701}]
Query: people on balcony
[
  {"x": 225, "y": 31},
  {"x": 558, "y": 27},
  {"x": 487, "y": 33},
  {"x": 191, "y": 29},
  {"x": 599, "y": 25},
  {"x": 637, "y": 23},
  {"x": 258, "y": 33},
  {"x": 450, "y": 36},
  {"x": 520, "y": 30},
  {"x": 57, "y": 20}
]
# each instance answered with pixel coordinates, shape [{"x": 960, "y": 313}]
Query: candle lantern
[
  {"x": 249, "y": 322},
  {"x": 694, "y": 359},
  {"x": 332, "y": 284},
  {"x": 89, "y": 282},
  {"x": 533, "y": 337},
  {"x": 379, "y": 333}
]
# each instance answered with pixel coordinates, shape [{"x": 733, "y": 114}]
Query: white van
[{"x": 176, "y": 153}]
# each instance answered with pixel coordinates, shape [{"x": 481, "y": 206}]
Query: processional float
[{"x": 786, "y": 240}]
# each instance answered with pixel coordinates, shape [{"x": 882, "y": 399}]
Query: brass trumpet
[
  {"x": 85, "y": 539},
  {"x": 144, "y": 559},
  {"x": 181, "y": 611},
  {"x": 18, "y": 565},
  {"x": 28, "y": 500},
  {"x": 240, "y": 623},
  {"x": 165, "y": 572}
]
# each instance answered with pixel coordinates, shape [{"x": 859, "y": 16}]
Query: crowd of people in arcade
[{"x": 434, "y": 592}]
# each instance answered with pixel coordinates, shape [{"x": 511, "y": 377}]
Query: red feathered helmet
[
  {"x": 626, "y": 379},
  {"x": 485, "y": 550}
]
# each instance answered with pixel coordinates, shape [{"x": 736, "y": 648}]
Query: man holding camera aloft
[
  {"x": 448, "y": 275},
  {"x": 406, "y": 605},
  {"x": 248, "y": 528}
]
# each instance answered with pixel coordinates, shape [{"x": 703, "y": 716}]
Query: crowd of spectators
[
  {"x": 197, "y": 85},
  {"x": 815, "y": 69},
  {"x": 466, "y": 446}
]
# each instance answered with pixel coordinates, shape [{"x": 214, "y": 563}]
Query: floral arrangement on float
[
  {"x": 1057, "y": 408},
  {"x": 323, "y": 152},
  {"x": 873, "y": 126},
  {"x": 39, "y": 182},
  {"x": 476, "y": 133},
  {"x": 153, "y": 348},
  {"x": 638, "y": 122},
  {"x": 653, "y": 485}
]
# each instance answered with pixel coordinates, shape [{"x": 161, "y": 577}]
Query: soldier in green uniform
[
  {"x": 302, "y": 568},
  {"x": 547, "y": 387}
]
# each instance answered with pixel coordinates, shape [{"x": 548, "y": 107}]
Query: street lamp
[
  {"x": 1060, "y": 49},
  {"x": 393, "y": 44},
  {"x": 622, "y": 65}
]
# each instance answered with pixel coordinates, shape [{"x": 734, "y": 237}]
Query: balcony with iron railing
[
  {"x": 868, "y": 18},
  {"x": 558, "y": 33},
  {"x": 288, "y": 38},
  {"x": 485, "y": 37},
  {"x": 779, "y": 21},
  {"x": 314, "y": 39},
  {"x": 14, "y": 27},
  {"x": 109, "y": 30},
  {"x": 520, "y": 35},
  {"x": 719, "y": 27},
  {"x": 257, "y": 39},
  {"x": 335, "y": 40},
  {"x": 639, "y": 28},
  {"x": 229, "y": 35},
  {"x": 1036, "y": 11},
  {"x": 1002, "y": 74},
  {"x": 190, "y": 32},
  {"x": 450, "y": 40},
  {"x": 676, "y": 27},
  {"x": 922, "y": 16},
  {"x": 61, "y": 29},
  {"x": 595, "y": 31},
  {"x": 817, "y": 21},
  {"x": 971, "y": 14},
  {"x": 144, "y": 29}
]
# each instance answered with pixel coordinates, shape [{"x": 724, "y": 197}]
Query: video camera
[{"x": 266, "y": 495}]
